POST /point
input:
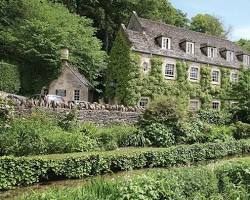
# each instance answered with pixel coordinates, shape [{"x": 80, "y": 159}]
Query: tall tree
[
  {"x": 109, "y": 14},
  {"x": 245, "y": 44},
  {"x": 33, "y": 34},
  {"x": 208, "y": 24}
]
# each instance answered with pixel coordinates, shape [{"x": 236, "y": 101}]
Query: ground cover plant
[{"x": 227, "y": 180}]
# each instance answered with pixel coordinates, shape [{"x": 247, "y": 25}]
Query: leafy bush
[
  {"x": 242, "y": 130},
  {"x": 214, "y": 117},
  {"x": 164, "y": 110},
  {"x": 69, "y": 120},
  {"x": 9, "y": 78},
  {"x": 16, "y": 171},
  {"x": 159, "y": 135}
]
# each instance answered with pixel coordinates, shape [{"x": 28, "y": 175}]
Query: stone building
[
  {"x": 70, "y": 84},
  {"x": 149, "y": 38}
]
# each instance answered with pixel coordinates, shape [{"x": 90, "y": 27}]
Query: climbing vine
[{"x": 131, "y": 82}]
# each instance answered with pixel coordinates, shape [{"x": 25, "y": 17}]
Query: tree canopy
[
  {"x": 109, "y": 14},
  {"x": 208, "y": 24},
  {"x": 32, "y": 34},
  {"x": 245, "y": 44}
]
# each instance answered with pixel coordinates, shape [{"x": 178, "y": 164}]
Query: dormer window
[
  {"x": 211, "y": 52},
  {"x": 230, "y": 56},
  {"x": 190, "y": 47},
  {"x": 165, "y": 43},
  {"x": 246, "y": 60}
]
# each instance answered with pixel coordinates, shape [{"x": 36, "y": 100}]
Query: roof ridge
[{"x": 182, "y": 28}]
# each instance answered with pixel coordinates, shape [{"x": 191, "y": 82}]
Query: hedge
[
  {"x": 9, "y": 77},
  {"x": 22, "y": 171}
]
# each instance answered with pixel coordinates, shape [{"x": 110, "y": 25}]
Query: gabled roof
[
  {"x": 78, "y": 75},
  {"x": 143, "y": 32}
]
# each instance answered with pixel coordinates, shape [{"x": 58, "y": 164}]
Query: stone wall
[{"x": 105, "y": 117}]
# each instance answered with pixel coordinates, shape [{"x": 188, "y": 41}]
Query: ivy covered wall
[{"x": 127, "y": 83}]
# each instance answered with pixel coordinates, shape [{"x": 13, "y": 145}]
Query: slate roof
[
  {"x": 144, "y": 41},
  {"x": 79, "y": 76}
]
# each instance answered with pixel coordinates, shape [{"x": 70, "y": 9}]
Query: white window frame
[
  {"x": 234, "y": 79},
  {"x": 216, "y": 102},
  {"x": 61, "y": 91},
  {"x": 230, "y": 56},
  {"x": 77, "y": 95},
  {"x": 211, "y": 52},
  {"x": 197, "y": 102},
  {"x": 144, "y": 66},
  {"x": 173, "y": 74},
  {"x": 246, "y": 60},
  {"x": 219, "y": 76},
  {"x": 198, "y": 73},
  {"x": 166, "y": 43},
  {"x": 145, "y": 101},
  {"x": 232, "y": 103},
  {"x": 189, "y": 47}
]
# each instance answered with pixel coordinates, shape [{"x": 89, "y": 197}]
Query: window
[
  {"x": 211, "y": 52},
  {"x": 233, "y": 104},
  {"x": 234, "y": 77},
  {"x": 216, "y": 105},
  {"x": 61, "y": 92},
  {"x": 77, "y": 95},
  {"x": 230, "y": 56},
  {"x": 144, "y": 102},
  {"x": 194, "y": 73},
  {"x": 194, "y": 105},
  {"x": 145, "y": 66},
  {"x": 215, "y": 76},
  {"x": 246, "y": 60},
  {"x": 166, "y": 43},
  {"x": 190, "y": 48},
  {"x": 170, "y": 71}
]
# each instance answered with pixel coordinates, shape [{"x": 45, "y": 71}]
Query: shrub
[
  {"x": 159, "y": 135},
  {"x": 16, "y": 171},
  {"x": 68, "y": 121},
  {"x": 9, "y": 77},
  {"x": 214, "y": 117},
  {"x": 242, "y": 130},
  {"x": 164, "y": 110}
]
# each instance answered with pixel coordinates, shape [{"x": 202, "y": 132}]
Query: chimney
[{"x": 65, "y": 54}]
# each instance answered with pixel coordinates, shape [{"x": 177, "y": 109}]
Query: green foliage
[
  {"x": 245, "y": 44},
  {"x": 214, "y": 117},
  {"x": 40, "y": 134},
  {"x": 164, "y": 110},
  {"x": 16, "y": 171},
  {"x": 241, "y": 90},
  {"x": 242, "y": 130},
  {"x": 69, "y": 120},
  {"x": 33, "y": 34},
  {"x": 208, "y": 24},
  {"x": 227, "y": 181},
  {"x": 159, "y": 135},
  {"x": 9, "y": 77},
  {"x": 108, "y": 15}
]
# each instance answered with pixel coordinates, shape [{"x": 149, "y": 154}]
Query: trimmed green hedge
[
  {"x": 9, "y": 77},
  {"x": 16, "y": 171}
]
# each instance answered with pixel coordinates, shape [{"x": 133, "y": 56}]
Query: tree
[
  {"x": 33, "y": 34},
  {"x": 242, "y": 92},
  {"x": 208, "y": 24},
  {"x": 245, "y": 44},
  {"x": 109, "y": 14}
]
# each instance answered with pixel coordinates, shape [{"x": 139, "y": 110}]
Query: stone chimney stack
[{"x": 65, "y": 54}]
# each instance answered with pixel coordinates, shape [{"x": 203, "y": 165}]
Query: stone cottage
[
  {"x": 147, "y": 39},
  {"x": 71, "y": 85}
]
